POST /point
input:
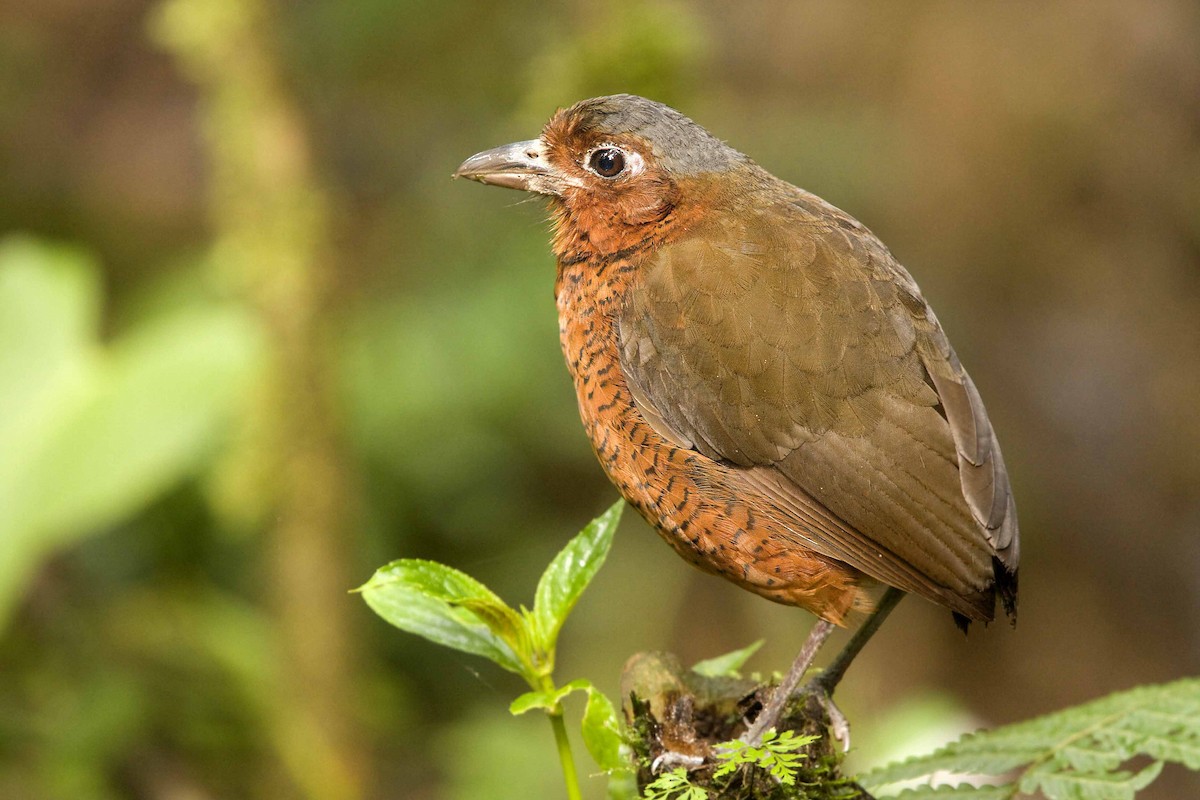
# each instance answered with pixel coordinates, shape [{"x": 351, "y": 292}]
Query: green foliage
[
  {"x": 450, "y": 608},
  {"x": 674, "y": 785},
  {"x": 1075, "y": 754},
  {"x": 1072, "y": 755},
  {"x": 777, "y": 753},
  {"x": 93, "y": 432},
  {"x": 567, "y": 576},
  {"x": 602, "y": 733},
  {"x": 600, "y": 729},
  {"x": 727, "y": 665}
]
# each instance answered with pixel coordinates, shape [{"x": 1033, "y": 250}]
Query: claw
[
  {"x": 839, "y": 726},
  {"x": 670, "y": 760}
]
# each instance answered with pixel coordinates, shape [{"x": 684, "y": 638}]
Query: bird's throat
[{"x": 586, "y": 231}]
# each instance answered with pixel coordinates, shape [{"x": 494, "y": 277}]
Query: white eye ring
[{"x": 629, "y": 162}]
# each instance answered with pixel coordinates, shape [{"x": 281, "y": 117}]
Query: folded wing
[{"x": 791, "y": 346}]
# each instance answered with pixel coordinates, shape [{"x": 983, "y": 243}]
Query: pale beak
[{"x": 520, "y": 165}]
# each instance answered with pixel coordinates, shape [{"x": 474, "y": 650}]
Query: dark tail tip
[{"x": 1006, "y": 587}]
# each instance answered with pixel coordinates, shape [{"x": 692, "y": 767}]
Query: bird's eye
[{"x": 607, "y": 162}]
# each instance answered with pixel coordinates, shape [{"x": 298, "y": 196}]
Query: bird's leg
[
  {"x": 769, "y": 716},
  {"x": 832, "y": 675},
  {"x": 823, "y": 685}
]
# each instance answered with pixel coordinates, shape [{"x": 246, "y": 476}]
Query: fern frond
[
  {"x": 964, "y": 792},
  {"x": 1074, "y": 754}
]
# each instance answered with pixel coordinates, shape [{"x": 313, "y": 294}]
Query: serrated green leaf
[
  {"x": 428, "y": 599},
  {"x": 1178, "y": 751},
  {"x": 602, "y": 732},
  {"x": 777, "y": 753},
  {"x": 955, "y": 760},
  {"x": 569, "y": 574},
  {"x": 1088, "y": 757},
  {"x": 1075, "y": 753},
  {"x": 674, "y": 785},
  {"x": 1073, "y": 785},
  {"x": 961, "y": 792},
  {"x": 727, "y": 665}
]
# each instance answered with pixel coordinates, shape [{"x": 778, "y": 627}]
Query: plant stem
[{"x": 564, "y": 755}]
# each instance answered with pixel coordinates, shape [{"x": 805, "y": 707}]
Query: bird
[{"x": 762, "y": 380}]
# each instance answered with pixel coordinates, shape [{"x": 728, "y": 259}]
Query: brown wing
[{"x": 793, "y": 347}]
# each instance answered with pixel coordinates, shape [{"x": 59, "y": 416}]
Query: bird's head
[{"x": 619, "y": 170}]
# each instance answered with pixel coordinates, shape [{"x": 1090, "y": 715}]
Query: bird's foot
[
  {"x": 839, "y": 726},
  {"x": 770, "y": 715}
]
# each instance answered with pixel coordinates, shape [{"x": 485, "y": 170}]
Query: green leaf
[
  {"x": 674, "y": 785},
  {"x": 600, "y": 727},
  {"x": 531, "y": 700},
  {"x": 447, "y": 607},
  {"x": 962, "y": 792},
  {"x": 1074, "y": 754},
  {"x": 1073, "y": 785},
  {"x": 727, "y": 665},
  {"x": 569, "y": 574},
  {"x": 92, "y": 433},
  {"x": 777, "y": 753},
  {"x": 602, "y": 732},
  {"x": 501, "y": 620},
  {"x": 160, "y": 394},
  {"x": 547, "y": 700},
  {"x": 49, "y": 302},
  {"x": 623, "y": 785}
]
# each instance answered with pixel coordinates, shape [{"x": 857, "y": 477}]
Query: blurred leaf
[
  {"x": 569, "y": 574},
  {"x": 962, "y": 792},
  {"x": 92, "y": 434},
  {"x": 431, "y": 600},
  {"x": 1072, "y": 754},
  {"x": 49, "y": 297},
  {"x": 623, "y": 786},
  {"x": 727, "y": 665},
  {"x": 1074, "y": 784},
  {"x": 154, "y": 410}
]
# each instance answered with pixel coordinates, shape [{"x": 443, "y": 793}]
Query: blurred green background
[{"x": 255, "y": 343}]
